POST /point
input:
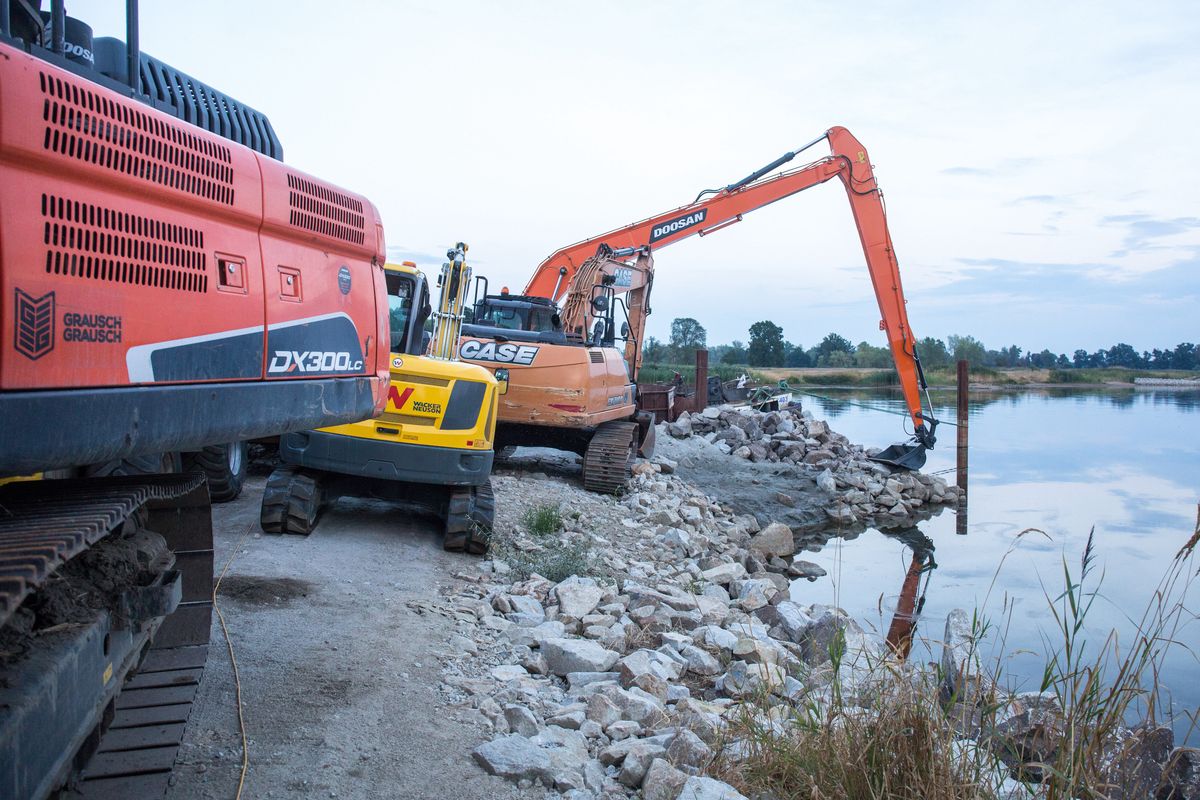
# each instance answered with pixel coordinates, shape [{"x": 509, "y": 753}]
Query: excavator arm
[{"x": 847, "y": 161}]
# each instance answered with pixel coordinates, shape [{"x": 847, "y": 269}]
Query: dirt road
[{"x": 338, "y": 672}]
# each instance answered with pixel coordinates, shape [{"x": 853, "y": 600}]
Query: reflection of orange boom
[{"x": 908, "y": 608}]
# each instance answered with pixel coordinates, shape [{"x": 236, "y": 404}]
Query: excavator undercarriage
[{"x": 105, "y": 605}]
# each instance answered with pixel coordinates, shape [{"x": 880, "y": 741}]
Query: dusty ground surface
[{"x": 339, "y": 663}]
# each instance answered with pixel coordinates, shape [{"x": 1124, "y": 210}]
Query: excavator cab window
[
  {"x": 506, "y": 318},
  {"x": 403, "y": 304}
]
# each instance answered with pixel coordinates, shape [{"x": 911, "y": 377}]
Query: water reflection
[
  {"x": 836, "y": 402},
  {"x": 1062, "y": 461}
]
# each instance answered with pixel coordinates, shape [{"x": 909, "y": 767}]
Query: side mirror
[
  {"x": 502, "y": 379},
  {"x": 624, "y": 330}
]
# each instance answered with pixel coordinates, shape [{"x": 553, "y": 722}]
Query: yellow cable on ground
[{"x": 237, "y": 681}]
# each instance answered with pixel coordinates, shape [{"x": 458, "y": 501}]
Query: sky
[{"x": 1038, "y": 160}]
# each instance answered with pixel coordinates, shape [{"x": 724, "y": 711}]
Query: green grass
[
  {"x": 1119, "y": 374},
  {"x": 542, "y": 520},
  {"x": 665, "y": 373},
  {"x": 551, "y": 557}
]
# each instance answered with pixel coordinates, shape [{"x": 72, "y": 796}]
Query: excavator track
[
  {"x": 608, "y": 456},
  {"x": 105, "y": 608},
  {"x": 470, "y": 515}
]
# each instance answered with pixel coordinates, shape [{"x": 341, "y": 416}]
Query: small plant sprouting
[{"x": 543, "y": 520}]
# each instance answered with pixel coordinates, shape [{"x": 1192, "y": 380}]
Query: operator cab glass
[
  {"x": 401, "y": 291},
  {"x": 515, "y": 315}
]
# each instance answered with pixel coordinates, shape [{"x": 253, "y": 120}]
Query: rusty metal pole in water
[
  {"x": 964, "y": 378},
  {"x": 700, "y": 399}
]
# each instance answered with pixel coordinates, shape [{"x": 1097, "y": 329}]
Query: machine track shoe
[
  {"x": 608, "y": 457},
  {"x": 292, "y": 501}
]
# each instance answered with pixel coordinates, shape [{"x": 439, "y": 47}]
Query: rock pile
[
  {"x": 859, "y": 490},
  {"x": 608, "y": 684},
  {"x": 628, "y": 681},
  {"x": 622, "y": 681}
]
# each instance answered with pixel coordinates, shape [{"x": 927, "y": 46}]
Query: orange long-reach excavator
[{"x": 569, "y": 384}]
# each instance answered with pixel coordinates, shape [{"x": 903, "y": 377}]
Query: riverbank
[
  {"x": 982, "y": 378},
  {"x": 656, "y": 645}
]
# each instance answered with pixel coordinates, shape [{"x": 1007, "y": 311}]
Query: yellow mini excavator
[{"x": 433, "y": 443}]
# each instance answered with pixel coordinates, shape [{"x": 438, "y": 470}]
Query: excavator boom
[{"x": 847, "y": 161}]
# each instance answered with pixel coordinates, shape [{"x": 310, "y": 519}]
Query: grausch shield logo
[{"x": 34, "y": 335}]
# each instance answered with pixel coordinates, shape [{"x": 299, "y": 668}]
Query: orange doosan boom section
[
  {"x": 163, "y": 286},
  {"x": 717, "y": 208}
]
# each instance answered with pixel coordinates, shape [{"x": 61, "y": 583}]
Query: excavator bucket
[
  {"x": 646, "y": 436},
  {"x": 904, "y": 456}
]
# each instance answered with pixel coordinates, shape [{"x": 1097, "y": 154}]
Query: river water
[{"x": 1124, "y": 462}]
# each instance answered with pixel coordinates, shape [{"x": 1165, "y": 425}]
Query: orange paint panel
[{"x": 112, "y": 218}]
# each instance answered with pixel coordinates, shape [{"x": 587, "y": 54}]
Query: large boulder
[
  {"x": 830, "y": 626},
  {"x": 724, "y": 573},
  {"x": 1134, "y": 762},
  {"x": 662, "y": 781},
  {"x": 526, "y": 610},
  {"x": 637, "y": 762},
  {"x": 698, "y": 788},
  {"x": 514, "y": 757},
  {"x": 1029, "y": 734},
  {"x": 689, "y": 750},
  {"x": 959, "y": 660},
  {"x": 648, "y": 662},
  {"x": 1181, "y": 780},
  {"x": 774, "y": 540},
  {"x": 577, "y": 655},
  {"x": 578, "y": 597}
]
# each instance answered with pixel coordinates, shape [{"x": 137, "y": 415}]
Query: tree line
[{"x": 767, "y": 347}]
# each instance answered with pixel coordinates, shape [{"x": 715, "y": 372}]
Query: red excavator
[
  {"x": 569, "y": 384},
  {"x": 167, "y": 284}
]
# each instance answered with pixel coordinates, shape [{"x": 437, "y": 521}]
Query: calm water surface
[{"x": 1124, "y": 462}]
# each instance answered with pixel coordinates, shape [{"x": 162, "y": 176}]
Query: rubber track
[
  {"x": 292, "y": 502},
  {"x": 470, "y": 515},
  {"x": 46, "y": 523},
  {"x": 49, "y": 522},
  {"x": 609, "y": 454}
]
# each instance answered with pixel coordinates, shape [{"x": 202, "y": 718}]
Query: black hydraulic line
[
  {"x": 758, "y": 173},
  {"x": 133, "y": 52},
  {"x": 58, "y": 26}
]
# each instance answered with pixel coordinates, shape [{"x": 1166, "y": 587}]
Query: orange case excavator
[{"x": 568, "y": 382}]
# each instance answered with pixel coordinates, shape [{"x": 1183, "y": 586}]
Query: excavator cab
[{"x": 408, "y": 309}]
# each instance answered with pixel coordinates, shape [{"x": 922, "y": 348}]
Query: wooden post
[
  {"x": 700, "y": 400},
  {"x": 964, "y": 379}
]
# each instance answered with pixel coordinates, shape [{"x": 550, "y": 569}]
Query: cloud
[
  {"x": 1045, "y": 199},
  {"x": 402, "y": 253},
  {"x": 1060, "y": 283},
  {"x": 1142, "y": 231},
  {"x": 967, "y": 171}
]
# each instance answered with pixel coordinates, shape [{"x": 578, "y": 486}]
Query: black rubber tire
[
  {"x": 470, "y": 515},
  {"x": 292, "y": 501},
  {"x": 225, "y": 467},
  {"x": 150, "y": 464}
]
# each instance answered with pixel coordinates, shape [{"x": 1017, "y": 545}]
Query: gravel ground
[{"x": 338, "y": 660}]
